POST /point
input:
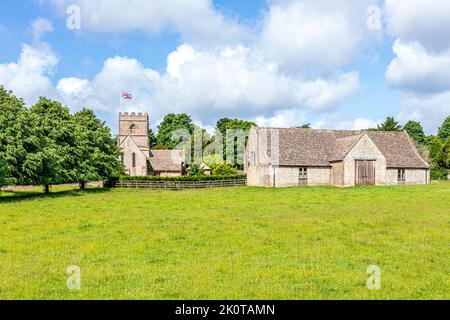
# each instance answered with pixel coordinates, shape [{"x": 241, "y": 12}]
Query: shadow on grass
[{"x": 17, "y": 196}]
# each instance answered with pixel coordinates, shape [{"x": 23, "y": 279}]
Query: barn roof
[
  {"x": 166, "y": 160},
  {"x": 398, "y": 149},
  {"x": 310, "y": 147}
]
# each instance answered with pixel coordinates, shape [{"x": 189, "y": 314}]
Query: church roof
[{"x": 166, "y": 160}]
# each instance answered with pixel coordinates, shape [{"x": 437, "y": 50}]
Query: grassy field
[{"x": 242, "y": 243}]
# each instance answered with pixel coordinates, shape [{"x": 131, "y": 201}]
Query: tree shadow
[{"x": 18, "y": 196}]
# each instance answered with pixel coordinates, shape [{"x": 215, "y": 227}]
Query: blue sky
[{"x": 278, "y": 62}]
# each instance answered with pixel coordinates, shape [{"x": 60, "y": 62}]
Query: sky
[{"x": 341, "y": 64}]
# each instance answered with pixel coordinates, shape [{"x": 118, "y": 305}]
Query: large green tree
[
  {"x": 170, "y": 125},
  {"x": 390, "y": 124},
  {"x": 444, "y": 130},
  {"x": 437, "y": 155},
  {"x": 415, "y": 131},
  {"x": 435, "y": 148},
  {"x": 57, "y": 143},
  {"x": 96, "y": 151},
  {"x": 199, "y": 140},
  {"x": 226, "y": 126},
  {"x": 226, "y": 123},
  {"x": 18, "y": 140},
  {"x": 10, "y": 107}
]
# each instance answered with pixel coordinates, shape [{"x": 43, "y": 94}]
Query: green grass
[{"x": 242, "y": 243}]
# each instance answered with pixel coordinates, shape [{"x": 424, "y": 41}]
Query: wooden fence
[{"x": 178, "y": 185}]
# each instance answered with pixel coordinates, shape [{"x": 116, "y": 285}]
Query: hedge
[{"x": 185, "y": 178}]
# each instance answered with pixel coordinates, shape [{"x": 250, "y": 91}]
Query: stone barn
[
  {"x": 276, "y": 157},
  {"x": 137, "y": 157}
]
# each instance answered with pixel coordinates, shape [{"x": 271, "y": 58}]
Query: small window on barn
[
  {"x": 303, "y": 173},
  {"x": 401, "y": 175},
  {"x": 303, "y": 176},
  {"x": 134, "y": 159},
  {"x": 122, "y": 159}
]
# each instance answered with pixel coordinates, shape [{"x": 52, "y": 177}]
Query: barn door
[{"x": 365, "y": 173}]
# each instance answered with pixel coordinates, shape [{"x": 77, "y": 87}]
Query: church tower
[
  {"x": 135, "y": 125},
  {"x": 133, "y": 140}
]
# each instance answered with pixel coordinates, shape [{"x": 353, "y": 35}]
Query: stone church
[{"x": 138, "y": 158}]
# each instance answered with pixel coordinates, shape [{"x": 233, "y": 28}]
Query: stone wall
[
  {"x": 319, "y": 176},
  {"x": 286, "y": 176},
  {"x": 412, "y": 176},
  {"x": 391, "y": 177},
  {"x": 257, "y": 162},
  {"x": 289, "y": 176},
  {"x": 139, "y": 121},
  {"x": 365, "y": 149},
  {"x": 129, "y": 147}
]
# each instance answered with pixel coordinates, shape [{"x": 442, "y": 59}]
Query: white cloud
[
  {"x": 29, "y": 76},
  {"x": 103, "y": 92},
  {"x": 40, "y": 27},
  {"x": 422, "y": 62},
  {"x": 283, "y": 119},
  {"x": 196, "y": 20},
  {"x": 431, "y": 110},
  {"x": 321, "y": 93},
  {"x": 417, "y": 20},
  {"x": 314, "y": 35},
  {"x": 206, "y": 84},
  {"x": 334, "y": 121},
  {"x": 417, "y": 70},
  {"x": 288, "y": 71}
]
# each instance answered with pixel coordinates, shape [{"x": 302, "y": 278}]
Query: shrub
[
  {"x": 213, "y": 159},
  {"x": 195, "y": 170},
  {"x": 222, "y": 169}
]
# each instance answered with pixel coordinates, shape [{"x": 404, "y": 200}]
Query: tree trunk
[
  {"x": 82, "y": 185},
  {"x": 47, "y": 189}
]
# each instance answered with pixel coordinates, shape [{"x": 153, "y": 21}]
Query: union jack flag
[{"x": 127, "y": 96}]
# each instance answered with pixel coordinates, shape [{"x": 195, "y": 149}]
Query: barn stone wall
[
  {"x": 319, "y": 176},
  {"x": 286, "y": 176},
  {"x": 289, "y": 176},
  {"x": 417, "y": 176},
  {"x": 391, "y": 177},
  {"x": 365, "y": 149},
  {"x": 257, "y": 162},
  {"x": 412, "y": 176}
]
